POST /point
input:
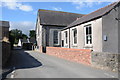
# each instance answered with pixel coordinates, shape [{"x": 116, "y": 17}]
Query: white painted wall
[
  {"x": 39, "y": 33},
  {"x": 96, "y": 36}
]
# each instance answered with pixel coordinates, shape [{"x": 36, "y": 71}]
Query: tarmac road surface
[{"x": 31, "y": 64}]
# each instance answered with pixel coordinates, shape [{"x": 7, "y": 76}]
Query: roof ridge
[
  {"x": 60, "y": 11},
  {"x": 93, "y": 15},
  {"x": 99, "y": 9}
]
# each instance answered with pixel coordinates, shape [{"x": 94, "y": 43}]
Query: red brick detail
[{"x": 77, "y": 55}]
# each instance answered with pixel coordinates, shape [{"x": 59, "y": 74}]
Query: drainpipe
[{"x": 69, "y": 37}]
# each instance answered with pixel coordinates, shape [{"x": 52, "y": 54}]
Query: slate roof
[
  {"x": 49, "y": 17},
  {"x": 94, "y": 15}
]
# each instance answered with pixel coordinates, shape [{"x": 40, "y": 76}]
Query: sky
[{"x": 23, "y": 15}]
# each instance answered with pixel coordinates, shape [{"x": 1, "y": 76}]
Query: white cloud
[
  {"x": 25, "y": 26},
  {"x": 13, "y": 4},
  {"x": 0, "y": 4},
  {"x": 35, "y": 12},
  {"x": 92, "y": 0},
  {"x": 63, "y": 0},
  {"x": 80, "y": 5},
  {"x": 89, "y": 3},
  {"x": 25, "y": 8},
  {"x": 57, "y": 8}
]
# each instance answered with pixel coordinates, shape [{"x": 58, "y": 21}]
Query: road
[{"x": 31, "y": 64}]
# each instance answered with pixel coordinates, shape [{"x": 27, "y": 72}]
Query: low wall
[
  {"x": 102, "y": 60},
  {"x": 76, "y": 55},
  {"x": 105, "y": 60}
]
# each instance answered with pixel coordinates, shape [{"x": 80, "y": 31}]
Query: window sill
[
  {"x": 88, "y": 46},
  {"x": 74, "y": 45},
  {"x": 56, "y": 44}
]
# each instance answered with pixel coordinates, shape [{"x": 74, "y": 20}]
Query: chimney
[{"x": 77, "y": 18}]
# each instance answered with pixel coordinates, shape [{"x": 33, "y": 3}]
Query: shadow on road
[{"x": 21, "y": 60}]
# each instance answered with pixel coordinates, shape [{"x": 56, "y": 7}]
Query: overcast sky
[{"x": 23, "y": 15}]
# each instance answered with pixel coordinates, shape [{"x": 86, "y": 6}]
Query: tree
[
  {"x": 32, "y": 33},
  {"x": 24, "y": 36},
  {"x": 15, "y": 35},
  {"x": 11, "y": 39}
]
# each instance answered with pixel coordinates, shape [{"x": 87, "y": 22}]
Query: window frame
[
  {"x": 74, "y": 43},
  {"x": 58, "y": 36},
  {"x": 54, "y": 37},
  {"x": 89, "y": 34},
  {"x": 66, "y": 37}
]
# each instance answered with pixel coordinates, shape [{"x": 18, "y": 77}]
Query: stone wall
[
  {"x": 6, "y": 51},
  {"x": 4, "y": 42},
  {"x": 0, "y": 54},
  {"x": 105, "y": 60},
  {"x": 76, "y": 55}
]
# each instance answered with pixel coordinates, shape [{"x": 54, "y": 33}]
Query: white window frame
[
  {"x": 73, "y": 36},
  {"x": 66, "y": 38},
  {"x": 88, "y": 44},
  {"x": 58, "y": 37}
]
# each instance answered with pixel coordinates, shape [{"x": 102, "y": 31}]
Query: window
[
  {"x": 88, "y": 34},
  {"x": 62, "y": 43},
  {"x": 75, "y": 36},
  {"x": 55, "y": 37},
  {"x": 66, "y": 37}
]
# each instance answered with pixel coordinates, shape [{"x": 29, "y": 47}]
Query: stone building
[{"x": 48, "y": 26}]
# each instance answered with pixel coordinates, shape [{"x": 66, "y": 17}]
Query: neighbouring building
[
  {"x": 28, "y": 44},
  {"x": 49, "y": 24},
  {"x": 4, "y": 31},
  {"x": 98, "y": 31},
  {"x": 32, "y": 40},
  {"x": 4, "y": 42},
  {"x": 19, "y": 43}
]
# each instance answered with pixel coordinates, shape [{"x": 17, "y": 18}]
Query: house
[
  {"x": 28, "y": 44},
  {"x": 98, "y": 31},
  {"x": 48, "y": 26},
  {"x": 25, "y": 40},
  {"x": 5, "y": 49},
  {"x": 32, "y": 40},
  {"x": 19, "y": 43}
]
